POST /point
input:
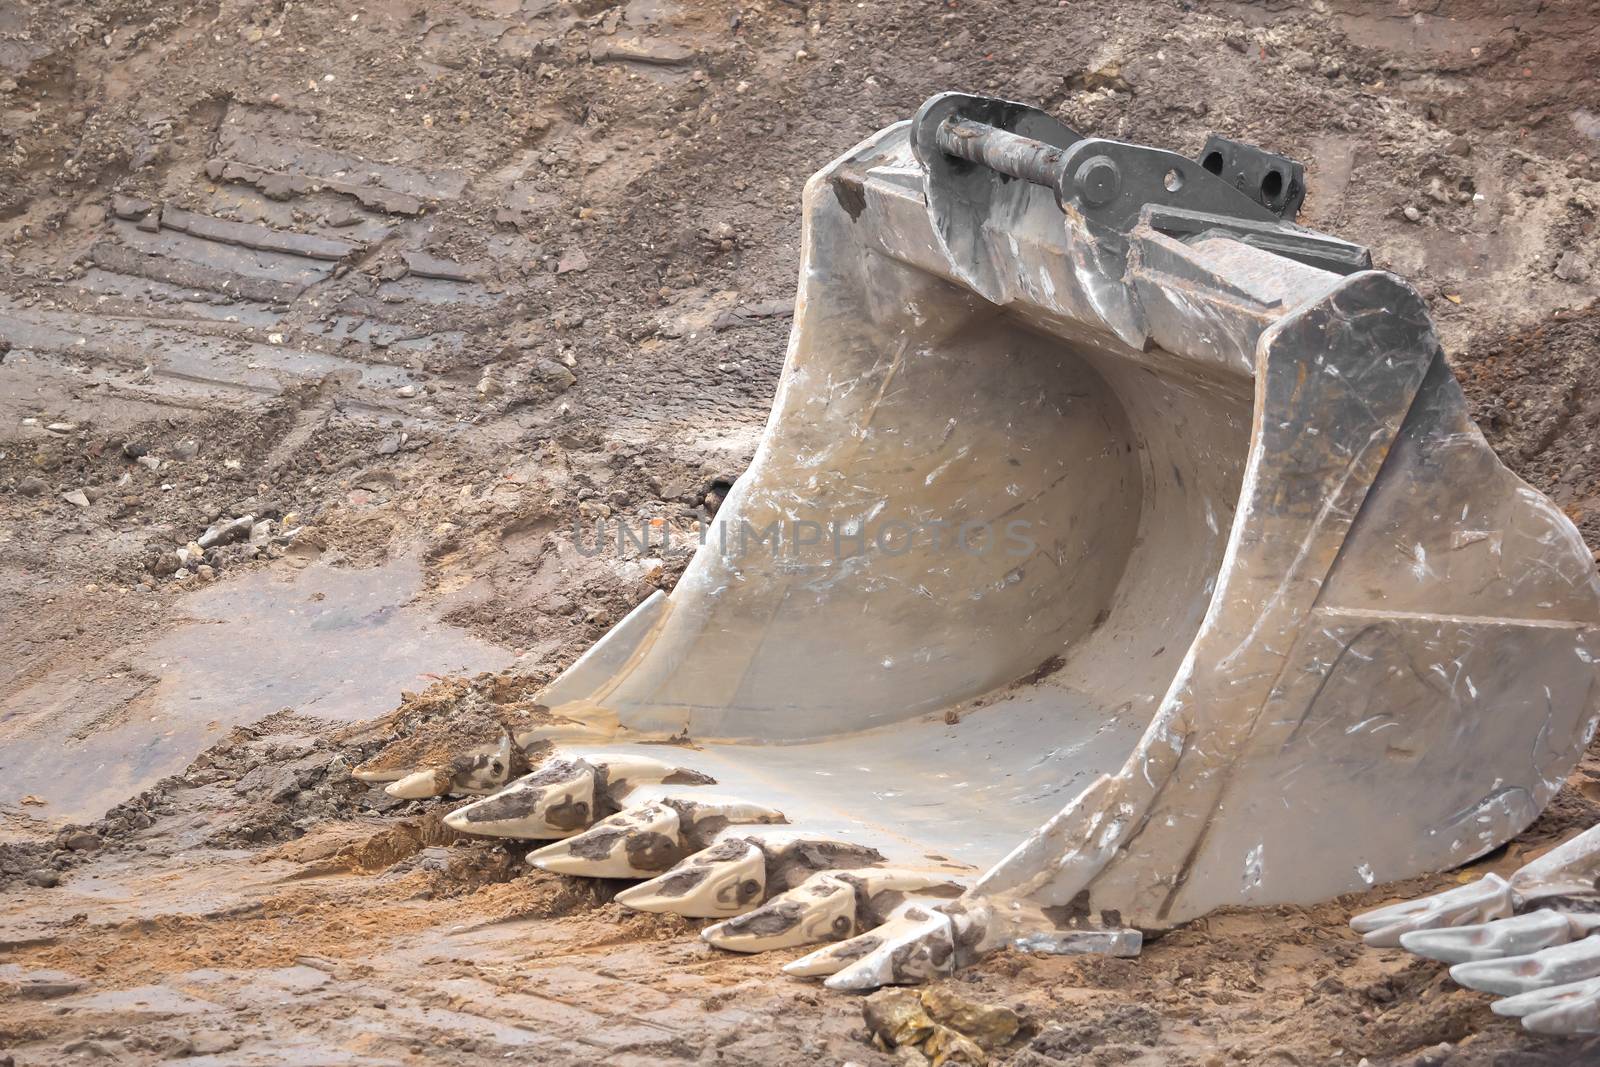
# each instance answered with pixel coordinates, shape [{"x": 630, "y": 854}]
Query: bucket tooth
[
  {"x": 1558, "y": 965},
  {"x": 822, "y": 908},
  {"x": 1571, "y": 868},
  {"x": 829, "y": 906},
  {"x": 882, "y": 928},
  {"x": 1476, "y": 902},
  {"x": 474, "y": 773},
  {"x": 1564, "y": 1010},
  {"x": 916, "y": 943},
  {"x": 647, "y": 839},
  {"x": 557, "y": 800},
  {"x": 635, "y": 843},
  {"x": 565, "y": 796},
  {"x": 1516, "y": 936},
  {"x": 729, "y": 878},
  {"x": 472, "y": 769},
  {"x": 379, "y": 775},
  {"x": 741, "y": 870}
]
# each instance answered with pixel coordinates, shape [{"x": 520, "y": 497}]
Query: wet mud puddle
[{"x": 332, "y": 643}]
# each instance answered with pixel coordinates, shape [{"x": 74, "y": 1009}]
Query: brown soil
[
  {"x": 558, "y": 289},
  {"x": 449, "y": 717}
]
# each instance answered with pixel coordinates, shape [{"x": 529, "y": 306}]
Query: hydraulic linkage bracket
[{"x": 1233, "y": 189}]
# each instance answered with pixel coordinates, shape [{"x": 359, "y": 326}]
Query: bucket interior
[{"x": 1005, "y": 520}]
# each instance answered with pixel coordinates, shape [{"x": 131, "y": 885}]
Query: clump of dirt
[
  {"x": 1111, "y": 1035},
  {"x": 363, "y": 847},
  {"x": 614, "y": 923},
  {"x": 450, "y": 717}
]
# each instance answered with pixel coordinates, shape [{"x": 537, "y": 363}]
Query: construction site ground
[{"x": 417, "y": 286}]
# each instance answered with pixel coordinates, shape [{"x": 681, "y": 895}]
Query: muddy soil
[{"x": 417, "y": 286}]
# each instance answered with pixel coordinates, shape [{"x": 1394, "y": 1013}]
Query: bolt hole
[
  {"x": 1174, "y": 180},
  {"x": 1212, "y": 162},
  {"x": 1272, "y": 185}
]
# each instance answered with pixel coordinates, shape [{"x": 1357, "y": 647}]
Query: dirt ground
[{"x": 411, "y": 285}]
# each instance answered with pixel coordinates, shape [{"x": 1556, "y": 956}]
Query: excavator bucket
[{"x": 1116, "y": 550}]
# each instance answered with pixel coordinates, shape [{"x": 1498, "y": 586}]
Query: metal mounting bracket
[{"x": 1233, "y": 188}]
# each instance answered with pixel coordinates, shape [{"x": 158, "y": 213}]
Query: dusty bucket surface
[{"x": 1111, "y": 537}]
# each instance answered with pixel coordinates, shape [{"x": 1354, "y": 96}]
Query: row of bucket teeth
[
  {"x": 1531, "y": 939},
  {"x": 772, "y": 885}
]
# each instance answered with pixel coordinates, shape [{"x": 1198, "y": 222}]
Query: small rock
[
  {"x": 948, "y": 1047},
  {"x": 42, "y": 877},
  {"x": 81, "y": 841},
  {"x": 406, "y": 391},
  {"x": 130, "y": 208},
  {"x": 1572, "y": 267},
  {"x": 488, "y": 386},
  {"x": 1435, "y": 1055},
  {"x": 896, "y": 1016},
  {"x": 572, "y": 260},
  {"x": 990, "y": 1025},
  {"x": 134, "y": 449},
  {"x": 78, "y": 497},
  {"x": 1304, "y": 62},
  {"x": 556, "y": 604},
  {"x": 1411, "y": 214},
  {"x": 226, "y": 533},
  {"x": 149, "y": 462},
  {"x": 261, "y": 532},
  {"x": 206, "y": 573},
  {"x": 186, "y": 450},
  {"x": 211, "y": 1042},
  {"x": 46, "y": 989},
  {"x": 94, "y": 1049},
  {"x": 31, "y": 486},
  {"x": 62, "y": 427},
  {"x": 1459, "y": 146},
  {"x": 556, "y": 377}
]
